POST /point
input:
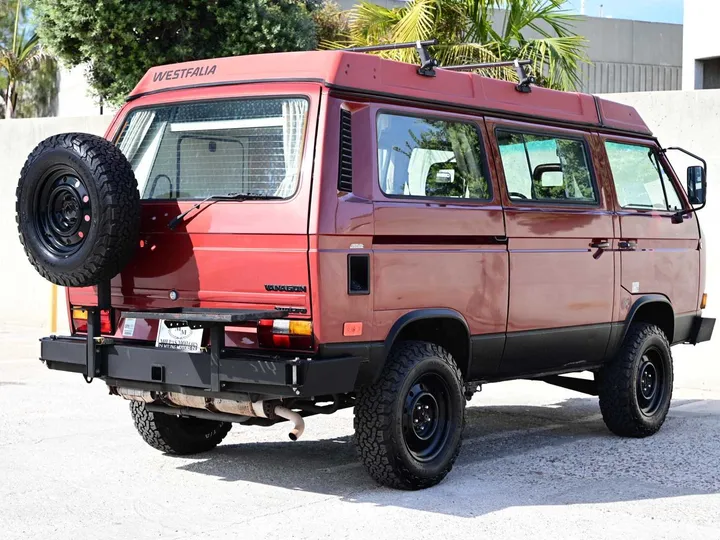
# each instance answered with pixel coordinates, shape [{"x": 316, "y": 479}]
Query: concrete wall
[
  {"x": 690, "y": 119},
  {"x": 699, "y": 40},
  {"x": 685, "y": 119},
  {"x": 25, "y": 295},
  {"x": 74, "y": 98}
]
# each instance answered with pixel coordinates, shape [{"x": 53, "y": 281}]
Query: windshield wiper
[{"x": 174, "y": 222}]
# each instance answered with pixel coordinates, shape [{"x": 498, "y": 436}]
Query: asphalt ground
[{"x": 537, "y": 462}]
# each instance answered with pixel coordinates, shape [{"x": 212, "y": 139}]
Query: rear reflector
[
  {"x": 704, "y": 301},
  {"x": 285, "y": 334},
  {"x": 352, "y": 329},
  {"x": 80, "y": 317}
]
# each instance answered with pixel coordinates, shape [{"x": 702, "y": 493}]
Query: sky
[{"x": 669, "y": 11}]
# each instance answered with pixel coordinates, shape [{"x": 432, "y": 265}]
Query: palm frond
[{"x": 556, "y": 59}]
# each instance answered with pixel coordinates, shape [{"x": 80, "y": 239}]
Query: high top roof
[{"x": 370, "y": 74}]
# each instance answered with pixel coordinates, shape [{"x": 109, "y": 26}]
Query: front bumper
[
  {"x": 144, "y": 366},
  {"x": 701, "y": 330}
]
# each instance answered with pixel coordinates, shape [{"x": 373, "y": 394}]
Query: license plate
[{"x": 180, "y": 339}]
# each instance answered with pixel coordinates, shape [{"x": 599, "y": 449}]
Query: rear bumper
[{"x": 140, "y": 365}]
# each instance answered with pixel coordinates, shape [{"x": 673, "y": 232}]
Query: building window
[{"x": 711, "y": 73}]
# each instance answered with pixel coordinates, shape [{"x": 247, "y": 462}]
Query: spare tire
[{"x": 78, "y": 209}]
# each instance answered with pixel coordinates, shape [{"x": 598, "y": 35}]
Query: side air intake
[{"x": 345, "y": 168}]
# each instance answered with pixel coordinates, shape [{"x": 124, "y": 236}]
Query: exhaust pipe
[
  {"x": 233, "y": 410},
  {"x": 293, "y": 417}
]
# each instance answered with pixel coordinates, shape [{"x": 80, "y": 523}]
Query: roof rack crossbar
[
  {"x": 427, "y": 62},
  {"x": 393, "y": 46},
  {"x": 525, "y": 80}
]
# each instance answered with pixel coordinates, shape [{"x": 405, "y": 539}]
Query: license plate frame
[{"x": 181, "y": 338}]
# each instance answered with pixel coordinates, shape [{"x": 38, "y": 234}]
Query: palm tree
[
  {"x": 21, "y": 61},
  {"x": 472, "y": 31}
]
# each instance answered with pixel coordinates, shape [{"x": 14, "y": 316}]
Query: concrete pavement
[{"x": 537, "y": 463}]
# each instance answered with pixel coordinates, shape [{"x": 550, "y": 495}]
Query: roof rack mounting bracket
[
  {"x": 427, "y": 62},
  {"x": 525, "y": 80}
]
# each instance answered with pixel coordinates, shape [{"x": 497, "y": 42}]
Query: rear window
[{"x": 195, "y": 150}]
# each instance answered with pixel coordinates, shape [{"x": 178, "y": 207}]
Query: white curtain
[
  {"x": 294, "y": 112},
  {"x": 135, "y": 133}
]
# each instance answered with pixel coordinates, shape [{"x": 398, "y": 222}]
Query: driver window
[{"x": 546, "y": 168}]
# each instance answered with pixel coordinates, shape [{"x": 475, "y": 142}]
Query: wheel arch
[
  {"x": 444, "y": 327},
  {"x": 654, "y": 309}
]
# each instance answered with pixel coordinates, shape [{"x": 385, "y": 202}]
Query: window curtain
[
  {"x": 294, "y": 112},
  {"x": 135, "y": 134}
]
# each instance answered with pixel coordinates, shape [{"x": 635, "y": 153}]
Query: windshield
[{"x": 194, "y": 150}]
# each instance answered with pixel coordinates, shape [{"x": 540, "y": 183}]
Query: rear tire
[
  {"x": 175, "y": 434},
  {"x": 78, "y": 210},
  {"x": 409, "y": 424},
  {"x": 635, "y": 388}
]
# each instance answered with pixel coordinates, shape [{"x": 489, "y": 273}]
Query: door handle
[
  {"x": 627, "y": 245},
  {"x": 600, "y": 244}
]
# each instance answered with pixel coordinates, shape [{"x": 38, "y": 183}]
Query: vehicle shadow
[{"x": 512, "y": 456}]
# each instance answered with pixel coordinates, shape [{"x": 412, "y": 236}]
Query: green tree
[
  {"x": 120, "y": 40},
  {"x": 332, "y": 24},
  {"x": 468, "y": 32},
  {"x": 25, "y": 67}
]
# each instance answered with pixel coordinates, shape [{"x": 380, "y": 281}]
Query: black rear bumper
[{"x": 142, "y": 365}]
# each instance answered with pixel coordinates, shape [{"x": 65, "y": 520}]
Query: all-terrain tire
[
  {"x": 78, "y": 209},
  {"x": 177, "y": 435},
  {"x": 384, "y": 429},
  {"x": 629, "y": 406}
]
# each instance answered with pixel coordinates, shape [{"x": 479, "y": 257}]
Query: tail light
[
  {"x": 80, "y": 320},
  {"x": 285, "y": 334}
]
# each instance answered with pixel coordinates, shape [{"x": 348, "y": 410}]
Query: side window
[
  {"x": 423, "y": 157},
  {"x": 545, "y": 168},
  {"x": 640, "y": 179}
]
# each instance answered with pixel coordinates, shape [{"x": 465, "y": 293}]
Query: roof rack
[
  {"x": 519, "y": 65},
  {"x": 428, "y": 63}
]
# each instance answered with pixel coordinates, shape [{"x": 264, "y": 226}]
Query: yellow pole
[{"x": 53, "y": 308}]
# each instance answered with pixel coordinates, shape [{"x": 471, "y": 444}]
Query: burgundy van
[{"x": 265, "y": 238}]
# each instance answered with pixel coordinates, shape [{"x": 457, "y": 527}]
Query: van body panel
[
  {"x": 263, "y": 245},
  {"x": 557, "y": 280},
  {"x": 663, "y": 256}
]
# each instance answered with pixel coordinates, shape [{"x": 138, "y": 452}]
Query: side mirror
[
  {"x": 549, "y": 175},
  {"x": 696, "y": 184}
]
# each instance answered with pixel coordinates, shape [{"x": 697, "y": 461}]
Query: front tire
[
  {"x": 175, "y": 434},
  {"x": 635, "y": 388},
  {"x": 409, "y": 424}
]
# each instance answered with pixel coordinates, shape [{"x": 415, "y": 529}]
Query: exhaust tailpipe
[{"x": 293, "y": 417}]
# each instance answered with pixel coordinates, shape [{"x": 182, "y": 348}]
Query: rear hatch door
[{"x": 250, "y": 253}]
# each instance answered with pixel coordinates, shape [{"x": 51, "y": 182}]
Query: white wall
[
  {"x": 25, "y": 295},
  {"x": 690, "y": 120},
  {"x": 74, "y": 97},
  {"x": 700, "y": 21},
  {"x": 687, "y": 119}
]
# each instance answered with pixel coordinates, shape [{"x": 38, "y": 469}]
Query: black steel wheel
[
  {"x": 63, "y": 210},
  {"x": 635, "y": 388},
  {"x": 426, "y": 422},
  {"x": 78, "y": 209},
  {"x": 408, "y": 425},
  {"x": 651, "y": 382}
]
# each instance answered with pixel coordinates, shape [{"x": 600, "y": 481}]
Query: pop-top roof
[{"x": 370, "y": 74}]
